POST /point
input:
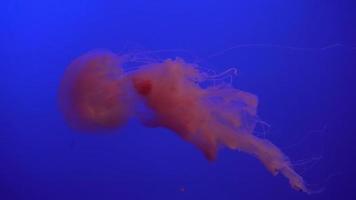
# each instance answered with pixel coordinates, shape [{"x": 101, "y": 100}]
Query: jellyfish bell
[{"x": 93, "y": 91}]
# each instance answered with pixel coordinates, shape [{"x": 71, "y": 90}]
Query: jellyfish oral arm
[
  {"x": 273, "y": 159},
  {"x": 295, "y": 180}
]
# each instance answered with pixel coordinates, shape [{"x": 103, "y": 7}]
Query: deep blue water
[{"x": 299, "y": 57}]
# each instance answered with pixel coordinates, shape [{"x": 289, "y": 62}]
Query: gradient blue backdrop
[{"x": 306, "y": 95}]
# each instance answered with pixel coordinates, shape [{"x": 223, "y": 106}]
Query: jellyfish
[{"x": 97, "y": 92}]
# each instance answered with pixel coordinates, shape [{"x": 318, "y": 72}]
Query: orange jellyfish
[{"x": 96, "y": 92}]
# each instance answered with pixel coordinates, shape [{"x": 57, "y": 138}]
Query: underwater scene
[{"x": 137, "y": 100}]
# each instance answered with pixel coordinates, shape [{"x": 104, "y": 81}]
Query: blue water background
[{"x": 299, "y": 57}]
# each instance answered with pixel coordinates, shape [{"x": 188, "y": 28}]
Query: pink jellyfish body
[{"x": 97, "y": 93}]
